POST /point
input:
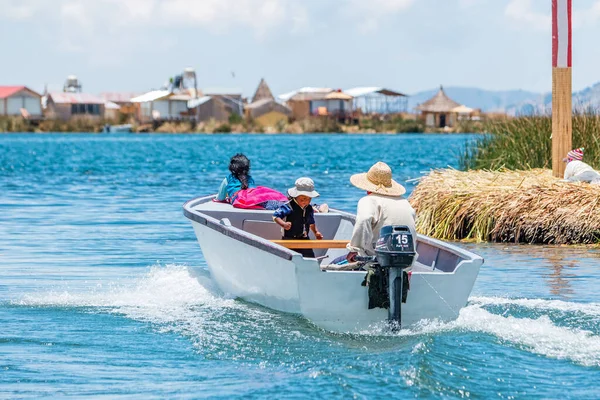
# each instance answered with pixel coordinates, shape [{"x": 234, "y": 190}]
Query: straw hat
[
  {"x": 378, "y": 180},
  {"x": 303, "y": 187}
]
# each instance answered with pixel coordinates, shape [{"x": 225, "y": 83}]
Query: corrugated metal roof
[
  {"x": 181, "y": 97},
  {"x": 338, "y": 96},
  {"x": 75, "y": 98},
  {"x": 363, "y": 91},
  {"x": 7, "y": 91},
  {"x": 197, "y": 102},
  {"x": 151, "y": 96},
  {"x": 119, "y": 97},
  {"x": 304, "y": 90},
  {"x": 111, "y": 106}
]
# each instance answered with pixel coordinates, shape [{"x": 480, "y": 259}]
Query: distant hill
[{"x": 514, "y": 102}]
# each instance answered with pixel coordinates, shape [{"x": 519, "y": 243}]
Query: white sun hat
[{"x": 303, "y": 187}]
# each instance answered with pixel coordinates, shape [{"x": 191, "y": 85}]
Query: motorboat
[
  {"x": 117, "y": 128},
  {"x": 247, "y": 260}
]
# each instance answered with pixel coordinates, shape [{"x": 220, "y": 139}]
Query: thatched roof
[
  {"x": 264, "y": 106},
  {"x": 507, "y": 206},
  {"x": 262, "y": 92},
  {"x": 438, "y": 103}
]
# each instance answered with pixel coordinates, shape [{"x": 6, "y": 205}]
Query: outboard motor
[{"x": 395, "y": 253}]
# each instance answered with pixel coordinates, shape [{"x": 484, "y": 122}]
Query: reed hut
[
  {"x": 438, "y": 111},
  {"x": 528, "y": 206},
  {"x": 262, "y": 92},
  {"x": 267, "y": 112},
  {"x": 264, "y": 110},
  {"x": 208, "y": 108}
]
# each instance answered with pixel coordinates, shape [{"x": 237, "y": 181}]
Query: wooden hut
[
  {"x": 264, "y": 110},
  {"x": 438, "y": 111},
  {"x": 308, "y": 101},
  {"x": 125, "y": 106},
  {"x": 64, "y": 105},
  {"x": 208, "y": 108}
]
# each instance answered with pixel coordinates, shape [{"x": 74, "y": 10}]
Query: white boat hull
[{"x": 332, "y": 300}]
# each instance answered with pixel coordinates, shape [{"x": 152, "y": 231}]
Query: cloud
[
  {"x": 521, "y": 12},
  {"x": 18, "y": 9},
  {"x": 371, "y": 12},
  {"x": 589, "y": 17},
  {"x": 107, "y": 29},
  {"x": 470, "y": 3}
]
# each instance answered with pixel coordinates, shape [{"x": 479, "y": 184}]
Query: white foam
[
  {"x": 177, "y": 301},
  {"x": 590, "y": 309},
  {"x": 173, "y": 299},
  {"x": 162, "y": 287},
  {"x": 538, "y": 335}
]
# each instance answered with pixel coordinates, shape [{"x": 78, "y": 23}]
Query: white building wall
[
  {"x": 177, "y": 107},
  {"x": 22, "y": 100},
  {"x": 33, "y": 105},
  {"x": 162, "y": 107}
]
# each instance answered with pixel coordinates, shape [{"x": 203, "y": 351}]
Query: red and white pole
[{"x": 561, "y": 84}]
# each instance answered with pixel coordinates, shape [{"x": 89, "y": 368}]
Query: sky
[{"x": 405, "y": 45}]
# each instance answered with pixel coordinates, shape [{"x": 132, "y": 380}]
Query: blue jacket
[{"x": 230, "y": 186}]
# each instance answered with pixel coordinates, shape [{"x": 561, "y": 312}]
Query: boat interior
[{"x": 334, "y": 225}]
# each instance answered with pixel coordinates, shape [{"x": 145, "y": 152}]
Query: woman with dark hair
[{"x": 239, "y": 179}]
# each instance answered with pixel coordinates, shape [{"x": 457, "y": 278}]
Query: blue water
[{"x": 104, "y": 291}]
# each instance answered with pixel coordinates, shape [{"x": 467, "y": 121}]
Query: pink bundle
[{"x": 254, "y": 198}]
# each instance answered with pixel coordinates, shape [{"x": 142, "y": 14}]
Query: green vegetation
[
  {"x": 235, "y": 119},
  {"x": 525, "y": 142}
]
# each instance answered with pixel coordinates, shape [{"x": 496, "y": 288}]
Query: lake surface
[{"x": 104, "y": 291}]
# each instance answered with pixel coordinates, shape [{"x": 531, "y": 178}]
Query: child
[
  {"x": 299, "y": 214},
  {"x": 577, "y": 170},
  {"x": 239, "y": 179}
]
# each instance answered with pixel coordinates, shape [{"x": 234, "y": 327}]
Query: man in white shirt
[
  {"x": 383, "y": 205},
  {"x": 577, "y": 170}
]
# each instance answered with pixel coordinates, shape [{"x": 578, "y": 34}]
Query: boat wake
[
  {"x": 182, "y": 300},
  {"x": 552, "y": 328},
  {"x": 179, "y": 300}
]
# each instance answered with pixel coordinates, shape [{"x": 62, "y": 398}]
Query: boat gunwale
[
  {"x": 231, "y": 231},
  {"x": 280, "y": 251}
]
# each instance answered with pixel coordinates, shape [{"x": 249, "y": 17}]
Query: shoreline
[
  {"x": 240, "y": 133},
  {"x": 367, "y": 125}
]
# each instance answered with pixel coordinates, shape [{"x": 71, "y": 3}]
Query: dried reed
[{"x": 507, "y": 206}]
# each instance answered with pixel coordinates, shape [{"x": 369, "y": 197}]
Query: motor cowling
[{"x": 395, "y": 247}]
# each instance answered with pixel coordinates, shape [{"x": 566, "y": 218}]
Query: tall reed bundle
[{"x": 507, "y": 206}]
